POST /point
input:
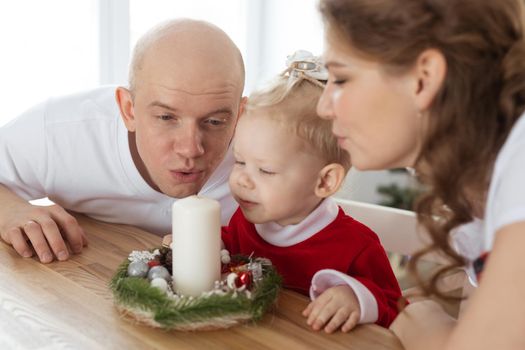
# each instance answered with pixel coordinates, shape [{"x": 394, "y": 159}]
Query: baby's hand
[
  {"x": 336, "y": 306},
  {"x": 166, "y": 241}
]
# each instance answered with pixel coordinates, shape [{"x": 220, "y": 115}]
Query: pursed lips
[
  {"x": 187, "y": 175},
  {"x": 245, "y": 203}
]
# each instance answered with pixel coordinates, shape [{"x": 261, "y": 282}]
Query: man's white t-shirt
[
  {"x": 505, "y": 201},
  {"x": 74, "y": 150}
]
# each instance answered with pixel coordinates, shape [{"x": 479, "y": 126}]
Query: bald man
[{"x": 125, "y": 155}]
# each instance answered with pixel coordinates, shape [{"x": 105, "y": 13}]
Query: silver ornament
[
  {"x": 256, "y": 270},
  {"x": 159, "y": 272},
  {"x": 138, "y": 269}
]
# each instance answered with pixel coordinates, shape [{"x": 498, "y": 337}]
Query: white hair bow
[{"x": 304, "y": 64}]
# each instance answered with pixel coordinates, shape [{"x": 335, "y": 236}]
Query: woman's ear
[
  {"x": 430, "y": 71},
  {"x": 330, "y": 179},
  {"x": 125, "y": 104}
]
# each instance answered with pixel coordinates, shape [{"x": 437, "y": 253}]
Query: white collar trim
[{"x": 286, "y": 236}]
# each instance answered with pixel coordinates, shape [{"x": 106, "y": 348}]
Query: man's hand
[
  {"x": 49, "y": 231},
  {"x": 336, "y": 306}
]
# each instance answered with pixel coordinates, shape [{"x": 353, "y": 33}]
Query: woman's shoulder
[
  {"x": 515, "y": 142},
  {"x": 506, "y": 197}
]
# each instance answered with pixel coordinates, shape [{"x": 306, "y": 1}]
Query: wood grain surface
[{"x": 67, "y": 305}]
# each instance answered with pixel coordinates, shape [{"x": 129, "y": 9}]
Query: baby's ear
[{"x": 330, "y": 179}]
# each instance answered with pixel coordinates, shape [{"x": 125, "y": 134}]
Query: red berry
[{"x": 152, "y": 263}]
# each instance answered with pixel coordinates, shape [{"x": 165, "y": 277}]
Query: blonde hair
[{"x": 292, "y": 101}]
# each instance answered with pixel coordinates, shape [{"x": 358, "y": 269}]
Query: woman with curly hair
[{"x": 439, "y": 86}]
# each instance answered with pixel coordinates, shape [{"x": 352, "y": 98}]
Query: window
[
  {"x": 48, "y": 48},
  {"x": 55, "y": 47}
]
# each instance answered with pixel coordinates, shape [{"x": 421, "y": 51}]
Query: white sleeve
[
  {"x": 327, "y": 278},
  {"x": 509, "y": 193},
  {"x": 23, "y": 154}
]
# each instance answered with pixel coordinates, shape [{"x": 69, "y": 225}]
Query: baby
[{"x": 288, "y": 164}]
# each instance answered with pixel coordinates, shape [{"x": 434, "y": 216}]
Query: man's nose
[
  {"x": 324, "y": 105},
  {"x": 189, "y": 143}
]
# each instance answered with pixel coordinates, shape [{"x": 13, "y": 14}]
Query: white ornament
[
  {"x": 159, "y": 283},
  {"x": 230, "y": 280},
  {"x": 225, "y": 259},
  {"x": 225, "y": 256}
]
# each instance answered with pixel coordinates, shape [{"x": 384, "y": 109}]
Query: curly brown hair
[{"x": 482, "y": 96}]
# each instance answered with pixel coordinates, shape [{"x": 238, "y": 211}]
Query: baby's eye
[{"x": 266, "y": 172}]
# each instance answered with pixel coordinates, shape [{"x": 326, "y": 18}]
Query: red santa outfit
[{"x": 327, "y": 248}]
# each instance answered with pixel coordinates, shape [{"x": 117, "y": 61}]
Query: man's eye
[
  {"x": 215, "y": 122},
  {"x": 266, "y": 172},
  {"x": 165, "y": 117}
]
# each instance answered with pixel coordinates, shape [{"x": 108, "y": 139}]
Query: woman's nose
[{"x": 324, "y": 105}]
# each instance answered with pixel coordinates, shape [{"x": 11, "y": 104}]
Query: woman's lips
[{"x": 187, "y": 176}]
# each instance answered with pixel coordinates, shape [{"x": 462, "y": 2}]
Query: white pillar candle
[{"x": 196, "y": 229}]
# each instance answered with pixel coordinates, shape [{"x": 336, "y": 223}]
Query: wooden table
[{"x": 67, "y": 305}]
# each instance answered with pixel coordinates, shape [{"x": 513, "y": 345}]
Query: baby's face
[{"x": 275, "y": 175}]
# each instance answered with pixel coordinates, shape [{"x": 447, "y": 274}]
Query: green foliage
[
  {"x": 398, "y": 197},
  {"x": 136, "y": 292}
]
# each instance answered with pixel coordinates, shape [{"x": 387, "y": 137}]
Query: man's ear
[
  {"x": 242, "y": 105},
  {"x": 430, "y": 71},
  {"x": 125, "y": 104},
  {"x": 330, "y": 179}
]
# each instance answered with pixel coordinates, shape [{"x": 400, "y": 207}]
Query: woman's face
[{"x": 374, "y": 114}]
